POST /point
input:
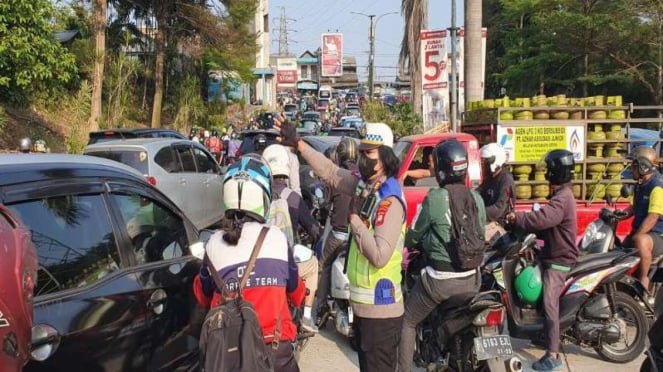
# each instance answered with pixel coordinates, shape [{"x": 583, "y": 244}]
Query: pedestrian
[
  {"x": 274, "y": 280},
  {"x": 432, "y": 234},
  {"x": 377, "y": 223},
  {"x": 556, "y": 224}
]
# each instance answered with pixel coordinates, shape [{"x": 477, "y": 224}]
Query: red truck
[{"x": 410, "y": 150}]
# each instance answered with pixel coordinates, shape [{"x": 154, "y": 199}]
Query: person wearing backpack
[
  {"x": 270, "y": 282},
  {"x": 288, "y": 211},
  {"x": 556, "y": 224},
  {"x": 449, "y": 229},
  {"x": 377, "y": 224}
]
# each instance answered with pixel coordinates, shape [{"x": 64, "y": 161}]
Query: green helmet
[{"x": 529, "y": 286}]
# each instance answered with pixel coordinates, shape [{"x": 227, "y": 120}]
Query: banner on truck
[
  {"x": 434, "y": 77},
  {"x": 531, "y": 143},
  {"x": 331, "y": 58}
]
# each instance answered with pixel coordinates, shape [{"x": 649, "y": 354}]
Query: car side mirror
[{"x": 625, "y": 191}]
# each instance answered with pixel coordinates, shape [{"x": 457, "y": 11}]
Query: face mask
[{"x": 366, "y": 167}]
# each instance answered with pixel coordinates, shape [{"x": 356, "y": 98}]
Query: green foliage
[
  {"x": 30, "y": 58},
  {"x": 118, "y": 81},
  {"x": 3, "y": 119},
  {"x": 190, "y": 106},
  {"x": 78, "y": 108},
  {"x": 402, "y": 119}
]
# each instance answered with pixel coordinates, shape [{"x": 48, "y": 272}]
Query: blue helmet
[{"x": 247, "y": 188}]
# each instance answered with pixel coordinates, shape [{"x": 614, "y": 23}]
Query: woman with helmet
[
  {"x": 259, "y": 143},
  {"x": 647, "y": 209},
  {"x": 247, "y": 197},
  {"x": 377, "y": 224},
  {"x": 345, "y": 156},
  {"x": 497, "y": 189},
  {"x": 432, "y": 233},
  {"x": 556, "y": 224}
]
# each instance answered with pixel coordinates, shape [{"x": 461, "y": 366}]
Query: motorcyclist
[
  {"x": 432, "y": 233},
  {"x": 246, "y": 197},
  {"x": 497, "y": 189},
  {"x": 647, "y": 209},
  {"x": 215, "y": 145},
  {"x": 345, "y": 157},
  {"x": 293, "y": 178},
  {"x": 25, "y": 146},
  {"x": 259, "y": 143},
  {"x": 556, "y": 224},
  {"x": 377, "y": 221},
  {"x": 277, "y": 157}
]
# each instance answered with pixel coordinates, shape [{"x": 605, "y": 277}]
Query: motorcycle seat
[{"x": 594, "y": 260}]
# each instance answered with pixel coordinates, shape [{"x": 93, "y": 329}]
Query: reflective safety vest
[{"x": 368, "y": 284}]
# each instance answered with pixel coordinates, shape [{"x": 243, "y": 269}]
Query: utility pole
[
  {"x": 371, "y": 52},
  {"x": 453, "y": 106}
]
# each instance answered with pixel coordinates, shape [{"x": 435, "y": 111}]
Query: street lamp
[{"x": 371, "y": 53}]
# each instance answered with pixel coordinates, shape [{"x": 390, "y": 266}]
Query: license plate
[{"x": 493, "y": 347}]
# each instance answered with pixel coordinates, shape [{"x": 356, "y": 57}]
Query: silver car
[{"x": 183, "y": 170}]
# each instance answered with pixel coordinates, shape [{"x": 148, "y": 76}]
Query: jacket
[
  {"x": 498, "y": 195},
  {"x": 273, "y": 281},
  {"x": 377, "y": 246},
  {"x": 299, "y": 212},
  {"x": 556, "y": 223},
  {"x": 293, "y": 177},
  {"x": 431, "y": 231},
  {"x": 648, "y": 198}
]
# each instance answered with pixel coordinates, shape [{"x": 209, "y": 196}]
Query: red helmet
[{"x": 18, "y": 275}]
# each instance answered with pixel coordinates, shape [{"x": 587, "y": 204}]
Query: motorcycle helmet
[
  {"x": 215, "y": 133},
  {"x": 644, "y": 158},
  {"x": 346, "y": 151},
  {"x": 247, "y": 188},
  {"x": 278, "y": 160},
  {"x": 559, "y": 166},
  {"x": 450, "y": 160},
  {"x": 493, "y": 156},
  {"x": 332, "y": 154},
  {"x": 25, "y": 145},
  {"x": 260, "y": 142},
  {"x": 529, "y": 284}
]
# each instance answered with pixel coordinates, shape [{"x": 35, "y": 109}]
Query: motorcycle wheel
[{"x": 625, "y": 302}]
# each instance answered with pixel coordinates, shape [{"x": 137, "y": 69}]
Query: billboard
[
  {"x": 286, "y": 71},
  {"x": 434, "y": 77},
  {"x": 331, "y": 59}
]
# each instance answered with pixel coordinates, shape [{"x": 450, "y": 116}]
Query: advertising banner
[
  {"x": 434, "y": 77},
  {"x": 331, "y": 58},
  {"x": 531, "y": 143},
  {"x": 286, "y": 70}
]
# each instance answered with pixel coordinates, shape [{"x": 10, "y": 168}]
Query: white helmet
[
  {"x": 278, "y": 160},
  {"x": 206, "y": 133},
  {"x": 494, "y": 155},
  {"x": 247, "y": 187},
  {"x": 25, "y": 145},
  {"x": 375, "y": 135}
]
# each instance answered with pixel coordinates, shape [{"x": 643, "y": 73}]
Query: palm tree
[
  {"x": 415, "y": 13},
  {"x": 472, "y": 46}
]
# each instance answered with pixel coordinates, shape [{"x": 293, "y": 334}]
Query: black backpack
[
  {"x": 467, "y": 245},
  {"x": 231, "y": 338}
]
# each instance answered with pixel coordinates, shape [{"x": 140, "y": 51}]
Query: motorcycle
[
  {"x": 301, "y": 254},
  {"x": 464, "y": 333},
  {"x": 593, "y": 310},
  {"x": 654, "y": 360}
]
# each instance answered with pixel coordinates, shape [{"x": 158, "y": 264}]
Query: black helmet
[
  {"x": 260, "y": 142},
  {"x": 332, "y": 154},
  {"x": 643, "y": 157},
  {"x": 559, "y": 166},
  {"x": 215, "y": 133},
  {"x": 450, "y": 159},
  {"x": 346, "y": 151}
]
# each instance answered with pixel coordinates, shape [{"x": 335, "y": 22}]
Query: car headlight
[{"x": 593, "y": 233}]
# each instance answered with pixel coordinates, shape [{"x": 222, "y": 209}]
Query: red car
[{"x": 18, "y": 274}]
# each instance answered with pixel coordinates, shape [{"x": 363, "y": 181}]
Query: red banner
[{"x": 286, "y": 77}]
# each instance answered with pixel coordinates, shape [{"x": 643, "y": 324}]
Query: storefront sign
[{"x": 531, "y": 143}]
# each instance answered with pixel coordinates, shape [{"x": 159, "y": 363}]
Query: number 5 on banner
[{"x": 438, "y": 66}]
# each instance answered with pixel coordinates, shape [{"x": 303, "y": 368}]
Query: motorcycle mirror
[
  {"x": 318, "y": 193},
  {"x": 536, "y": 207},
  {"x": 625, "y": 191}
]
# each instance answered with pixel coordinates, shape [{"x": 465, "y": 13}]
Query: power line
[{"x": 283, "y": 33}]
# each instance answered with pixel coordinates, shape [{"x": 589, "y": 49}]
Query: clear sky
[{"x": 310, "y": 18}]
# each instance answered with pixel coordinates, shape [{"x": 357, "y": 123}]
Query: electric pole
[
  {"x": 453, "y": 102},
  {"x": 371, "y": 52},
  {"x": 283, "y": 33}
]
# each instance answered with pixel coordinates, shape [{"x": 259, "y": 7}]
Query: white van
[{"x": 325, "y": 91}]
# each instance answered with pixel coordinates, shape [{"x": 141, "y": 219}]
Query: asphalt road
[{"x": 330, "y": 352}]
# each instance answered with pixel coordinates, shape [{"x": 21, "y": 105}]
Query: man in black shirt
[{"x": 497, "y": 189}]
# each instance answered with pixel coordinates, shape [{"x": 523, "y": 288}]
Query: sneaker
[
  {"x": 308, "y": 325},
  {"x": 547, "y": 363}
]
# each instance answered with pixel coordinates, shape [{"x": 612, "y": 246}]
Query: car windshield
[
  {"x": 401, "y": 148},
  {"x": 323, "y": 102},
  {"x": 136, "y": 159},
  {"x": 309, "y": 124},
  {"x": 290, "y": 108}
]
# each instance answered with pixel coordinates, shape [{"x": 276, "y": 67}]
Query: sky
[{"x": 309, "y": 19}]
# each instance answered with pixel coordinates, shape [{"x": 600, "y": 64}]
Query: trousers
[
  {"x": 553, "y": 283},
  {"x": 377, "y": 343},
  {"x": 332, "y": 249}
]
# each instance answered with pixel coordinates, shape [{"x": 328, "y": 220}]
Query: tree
[
  {"x": 473, "y": 57},
  {"x": 415, "y": 13},
  {"x": 99, "y": 62},
  {"x": 31, "y": 59}
]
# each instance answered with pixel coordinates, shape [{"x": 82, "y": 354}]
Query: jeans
[{"x": 427, "y": 294}]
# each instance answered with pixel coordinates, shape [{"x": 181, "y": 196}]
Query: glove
[
  {"x": 355, "y": 205},
  {"x": 289, "y": 134}
]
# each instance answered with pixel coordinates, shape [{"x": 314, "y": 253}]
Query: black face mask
[{"x": 366, "y": 167}]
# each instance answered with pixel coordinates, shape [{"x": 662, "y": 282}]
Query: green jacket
[{"x": 435, "y": 216}]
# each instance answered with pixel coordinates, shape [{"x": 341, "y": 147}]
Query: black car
[
  {"x": 117, "y": 134},
  {"x": 344, "y": 132},
  {"x": 248, "y": 136},
  {"x": 115, "y": 278}
]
